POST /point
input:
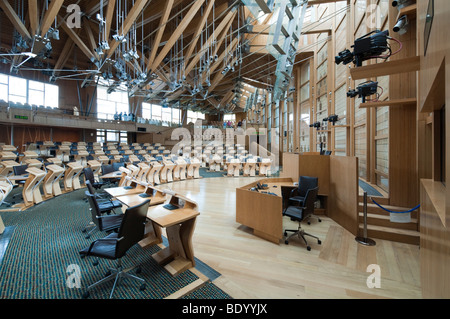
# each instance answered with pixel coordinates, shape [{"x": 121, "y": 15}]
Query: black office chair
[
  {"x": 20, "y": 170},
  {"x": 102, "y": 219},
  {"x": 299, "y": 214},
  {"x": 104, "y": 200},
  {"x": 89, "y": 175},
  {"x": 115, "y": 245},
  {"x": 298, "y": 194},
  {"x": 106, "y": 169}
]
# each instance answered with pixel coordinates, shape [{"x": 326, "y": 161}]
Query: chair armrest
[{"x": 294, "y": 192}]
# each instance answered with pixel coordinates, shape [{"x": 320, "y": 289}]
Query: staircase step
[
  {"x": 385, "y": 221},
  {"x": 392, "y": 234}
]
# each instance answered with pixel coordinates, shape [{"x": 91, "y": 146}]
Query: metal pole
[{"x": 364, "y": 240}]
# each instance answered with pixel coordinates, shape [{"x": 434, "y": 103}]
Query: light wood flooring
[{"x": 251, "y": 267}]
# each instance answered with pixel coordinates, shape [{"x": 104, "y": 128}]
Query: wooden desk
[
  {"x": 51, "y": 181},
  {"x": 6, "y": 167},
  {"x": 166, "y": 173},
  {"x": 233, "y": 168},
  {"x": 193, "y": 169},
  {"x": 31, "y": 193},
  {"x": 116, "y": 174},
  {"x": 261, "y": 211},
  {"x": 155, "y": 196},
  {"x": 134, "y": 188},
  {"x": 72, "y": 176},
  {"x": 178, "y": 256}
]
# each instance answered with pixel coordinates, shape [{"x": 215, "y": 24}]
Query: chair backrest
[
  {"x": 90, "y": 187},
  {"x": 117, "y": 165},
  {"x": 305, "y": 183},
  {"x": 20, "y": 169},
  {"x": 310, "y": 199},
  {"x": 132, "y": 228},
  {"x": 95, "y": 210},
  {"x": 89, "y": 174},
  {"x": 107, "y": 169}
]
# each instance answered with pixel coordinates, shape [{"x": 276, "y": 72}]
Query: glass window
[
  {"x": 156, "y": 112},
  {"x": 109, "y": 104},
  {"x": 17, "y": 89},
  {"x": 229, "y": 117},
  {"x": 166, "y": 115},
  {"x": 176, "y": 115},
  {"x": 146, "y": 110}
]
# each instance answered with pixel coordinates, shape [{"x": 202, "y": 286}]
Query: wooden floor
[{"x": 251, "y": 267}]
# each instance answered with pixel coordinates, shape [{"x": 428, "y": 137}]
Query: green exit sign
[{"x": 22, "y": 117}]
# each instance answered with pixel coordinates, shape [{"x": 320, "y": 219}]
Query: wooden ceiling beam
[
  {"x": 75, "y": 38},
  {"x": 14, "y": 18},
  {"x": 229, "y": 17},
  {"x": 178, "y": 31},
  {"x": 198, "y": 31},
  {"x": 128, "y": 23},
  {"x": 33, "y": 15},
  {"x": 109, "y": 16},
  {"x": 50, "y": 15},
  {"x": 162, "y": 25}
]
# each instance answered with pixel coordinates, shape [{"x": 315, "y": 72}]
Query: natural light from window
[{"x": 15, "y": 89}]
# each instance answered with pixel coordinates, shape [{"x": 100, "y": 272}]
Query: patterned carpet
[{"x": 42, "y": 254}]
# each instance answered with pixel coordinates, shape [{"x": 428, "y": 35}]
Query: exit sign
[{"x": 21, "y": 117}]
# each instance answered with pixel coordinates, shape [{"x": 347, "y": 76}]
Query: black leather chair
[
  {"x": 106, "y": 169},
  {"x": 298, "y": 194},
  {"x": 89, "y": 175},
  {"x": 301, "y": 213},
  {"x": 102, "y": 219},
  {"x": 115, "y": 245},
  {"x": 104, "y": 200},
  {"x": 20, "y": 170}
]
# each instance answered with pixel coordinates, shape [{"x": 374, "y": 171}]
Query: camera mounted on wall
[
  {"x": 332, "y": 119},
  {"x": 369, "y": 46},
  {"x": 316, "y": 125},
  {"x": 364, "y": 90}
]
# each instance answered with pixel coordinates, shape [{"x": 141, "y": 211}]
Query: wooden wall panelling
[
  {"x": 343, "y": 192},
  {"x": 318, "y": 166},
  {"x": 403, "y": 181}
]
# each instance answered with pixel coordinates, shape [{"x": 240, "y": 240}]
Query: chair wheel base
[
  {"x": 319, "y": 242},
  {"x": 286, "y": 242},
  {"x": 308, "y": 248},
  {"x": 86, "y": 295}
]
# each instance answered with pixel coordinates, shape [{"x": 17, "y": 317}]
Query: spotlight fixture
[
  {"x": 119, "y": 38},
  {"x": 401, "y": 3},
  {"x": 401, "y": 27}
]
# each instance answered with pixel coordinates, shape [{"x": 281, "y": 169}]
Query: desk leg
[
  {"x": 152, "y": 235},
  {"x": 179, "y": 255}
]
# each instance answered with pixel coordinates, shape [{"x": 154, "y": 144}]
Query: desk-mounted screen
[{"x": 428, "y": 24}]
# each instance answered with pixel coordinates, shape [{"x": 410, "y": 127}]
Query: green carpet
[{"x": 45, "y": 242}]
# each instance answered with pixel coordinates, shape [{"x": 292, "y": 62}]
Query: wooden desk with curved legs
[
  {"x": 72, "y": 176},
  {"x": 166, "y": 173},
  {"x": 179, "y": 223},
  {"x": 6, "y": 167},
  {"x": 153, "y": 174},
  {"x": 193, "y": 168},
  {"x": 50, "y": 185},
  {"x": 143, "y": 171},
  {"x": 31, "y": 193}
]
